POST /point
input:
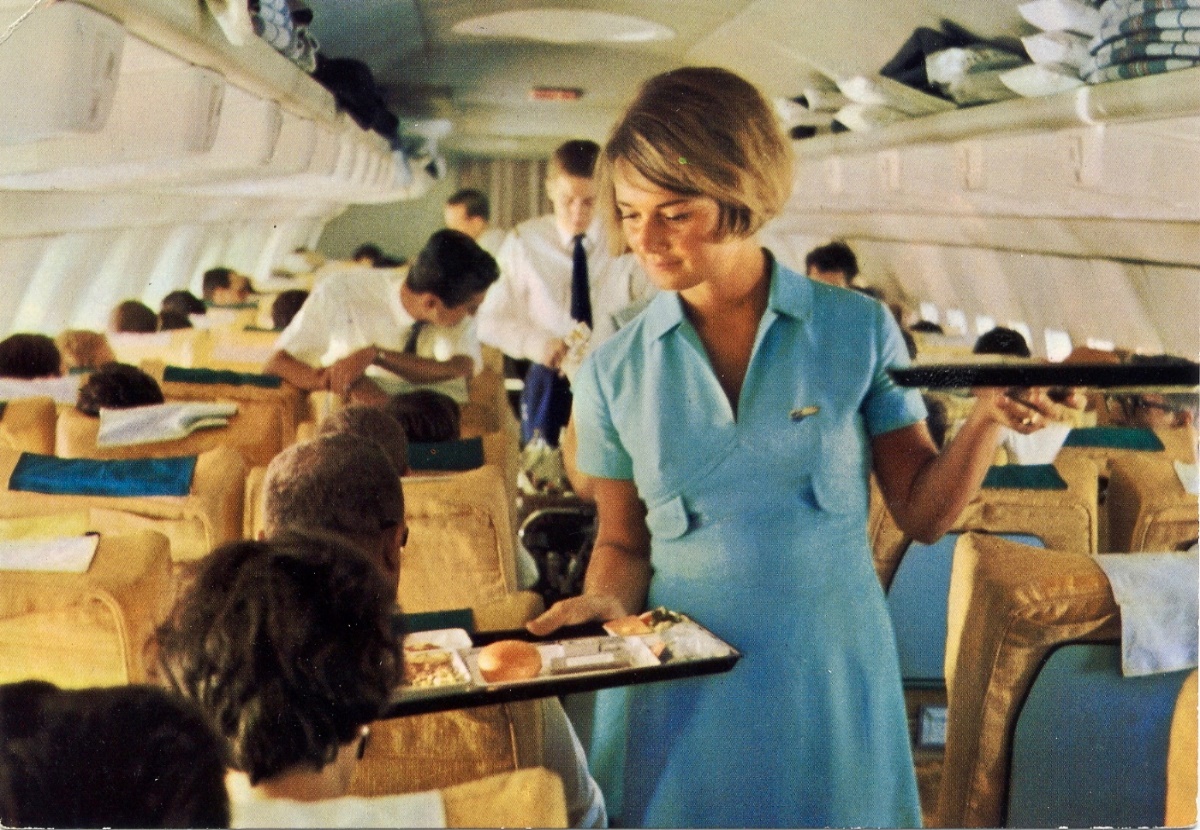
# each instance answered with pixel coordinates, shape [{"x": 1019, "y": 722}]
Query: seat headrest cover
[
  {"x": 1024, "y": 477},
  {"x": 464, "y": 454},
  {"x": 90, "y": 477},
  {"x": 1119, "y": 438},
  {"x": 178, "y": 374}
]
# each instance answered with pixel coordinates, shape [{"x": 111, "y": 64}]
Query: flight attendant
[{"x": 731, "y": 429}]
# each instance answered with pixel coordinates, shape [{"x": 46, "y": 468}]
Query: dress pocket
[{"x": 668, "y": 520}]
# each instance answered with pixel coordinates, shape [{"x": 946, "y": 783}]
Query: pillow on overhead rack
[{"x": 234, "y": 19}]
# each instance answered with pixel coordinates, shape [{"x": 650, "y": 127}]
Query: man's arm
[
  {"x": 416, "y": 369},
  {"x": 297, "y": 372}
]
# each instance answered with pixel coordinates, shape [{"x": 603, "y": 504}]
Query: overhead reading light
[
  {"x": 565, "y": 26},
  {"x": 555, "y": 93}
]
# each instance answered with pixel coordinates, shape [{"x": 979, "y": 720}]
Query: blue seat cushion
[{"x": 178, "y": 374}]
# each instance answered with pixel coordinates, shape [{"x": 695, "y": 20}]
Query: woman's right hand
[{"x": 575, "y": 610}]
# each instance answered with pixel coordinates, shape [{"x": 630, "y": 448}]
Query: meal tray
[
  {"x": 1132, "y": 377},
  {"x": 477, "y": 692}
]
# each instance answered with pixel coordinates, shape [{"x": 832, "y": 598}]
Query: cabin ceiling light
[{"x": 565, "y": 26}]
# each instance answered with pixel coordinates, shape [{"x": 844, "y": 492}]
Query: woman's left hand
[{"x": 1022, "y": 410}]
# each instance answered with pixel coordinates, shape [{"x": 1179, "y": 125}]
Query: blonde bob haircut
[{"x": 702, "y": 131}]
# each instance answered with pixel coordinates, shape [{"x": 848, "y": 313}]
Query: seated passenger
[
  {"x": 285, "y": 306},
  {"x": 287, "y": 646},
  {"x": 344, "y": 485},
  {"x": 29, "y": 356},
  {"x": 373, "y": 424},
  {"x": 364, "y": 337},
  {"x": 169, "y": 320},
  {"x": 1002, "y": 341},
  {"x": 834, "y": 264},
  {"x": 117, "y": 386},
  {"x": 131, "y": 756},
  {"x": 427, "y": 417},
  {"x": 183, "y": 302},
  {"x": 82, "y": 349},
  {"x": 225, "y": 287},
  {"x": 368, "y": 254},
  {"x": 133, "y": 317},
  {"x": 1156, "y": 410}
]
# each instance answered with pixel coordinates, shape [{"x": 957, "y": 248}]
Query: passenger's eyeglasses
[{"x": 1136, "y": 403}]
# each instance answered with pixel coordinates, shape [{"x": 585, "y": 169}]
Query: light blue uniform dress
[{"x": 758, "y": 531}]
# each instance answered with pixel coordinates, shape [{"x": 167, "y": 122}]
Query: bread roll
[{"x": 506, "y": 660}]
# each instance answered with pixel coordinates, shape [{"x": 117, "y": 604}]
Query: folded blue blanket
[
  {"x": 1114, "y": 35},
  {"x": 178, "y": 374},
  {"x": 1024, "y": 477},
  {"x": 89, "y": 477},
  {"x": 466, "y": 454},
  {"x": 1123, "y": 50},
  {"x": 1118, "y": 438}
]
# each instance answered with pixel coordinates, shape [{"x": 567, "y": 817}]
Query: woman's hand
[
  {"x": 1022, "y": 410},
  {"x": 576, "y": 610}
]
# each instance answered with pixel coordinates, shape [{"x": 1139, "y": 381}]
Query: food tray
[
  {"x": 574, "y": 659},
  {"x": 1132, "y": 377}
]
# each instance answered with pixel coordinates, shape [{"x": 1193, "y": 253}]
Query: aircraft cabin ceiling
[{"x": 432, "y": 67}]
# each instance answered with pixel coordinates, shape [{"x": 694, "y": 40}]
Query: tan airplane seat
[
  {"x": 1063, "y": 519},
  {"x": 87, "y": 629},
  {"x": 1009, "y": 606},
  {"x": 236, "y": 350},
  {"x": 1148, "y": 507},
  {"x": 1177, "y": 444},
  {"x": 209, "y": 514},
  {"x": 251, "y": 432},
  {"x": 28, "y": 425},
  {"x": 274, "y": 407},
  {"x": 525, "y": 798},
  {"x": 178, "y": 347}
]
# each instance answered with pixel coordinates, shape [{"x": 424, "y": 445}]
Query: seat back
[
  {"x": 460, "y": 546},
  {"x": 178, "y": 347},
  {"x": 28, "y": 425},
  {"x": 525, "y": 798},
  {"x": 1091, "y": 746},
  {"x": 270, "y": 408},
  {"x": 209, "y": 514},
  {"x": 1009, "y": 606},
  {"x": 1148, "y": 508},
  {"x": 251, "y": 434},
  {"x": 87, "y": 629},
  {"x": 237, "y": 350}
]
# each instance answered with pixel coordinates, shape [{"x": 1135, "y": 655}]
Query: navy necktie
[
  {"x": 581, "y": 303},
  {"x": 414, "y": 333}
]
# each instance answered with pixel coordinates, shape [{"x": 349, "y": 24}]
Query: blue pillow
[
  {"x": 464, "y": 454},
  {"x": 178, "y": 374},
  {"x": 90, "y": 477},
  {"x": 1024, "y": 477}
]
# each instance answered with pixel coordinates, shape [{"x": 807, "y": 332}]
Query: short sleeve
[
  {"x": 600, "y": 451},
  {"x": 887, "y": 406}
]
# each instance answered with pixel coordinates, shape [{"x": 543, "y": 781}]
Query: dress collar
[{"x": 790, "y": 295}]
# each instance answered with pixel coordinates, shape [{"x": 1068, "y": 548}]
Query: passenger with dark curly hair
[
  {"x": 29, "y": 356},
  {"x": 133, "y": 317},
  {"x": 286, "y": 305},
  {"x": 287, "y": 646},
  {"x": 117, "y": 386},
  {"x": 428, "y": 417},
  {"x": 131, "y": 756}
]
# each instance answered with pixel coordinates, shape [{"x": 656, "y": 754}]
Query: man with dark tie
[
  {"x": 367, "y": 336},
  {"x": 556, "y": 271}
]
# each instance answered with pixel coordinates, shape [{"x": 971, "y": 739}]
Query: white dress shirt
[
  {"x": 353, "y": 309},
  {"x": 530, "y": 304}
]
